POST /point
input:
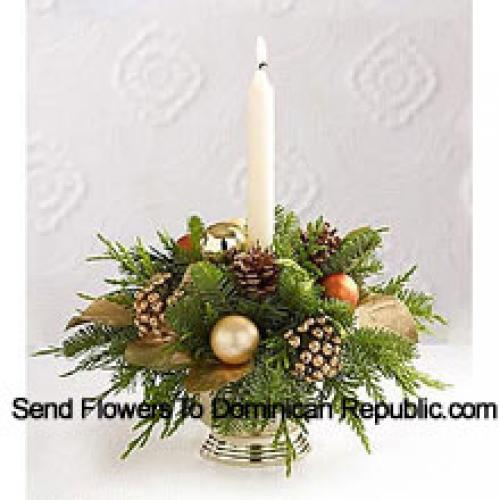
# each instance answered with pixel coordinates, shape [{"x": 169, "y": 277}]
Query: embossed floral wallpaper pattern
[{"x": 136, "y": 119}]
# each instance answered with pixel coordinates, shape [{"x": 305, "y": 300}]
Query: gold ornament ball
[
  {"x": 224, "y": 236},
  {"x": 234, "y": 339}
]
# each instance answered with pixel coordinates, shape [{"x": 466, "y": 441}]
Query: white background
[{"x": 433, "y": 470}]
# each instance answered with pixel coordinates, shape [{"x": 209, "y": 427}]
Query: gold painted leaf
[
  {"x": 155, "y": 356},
  {"x": 386, "y": 311},
  {"x": 210, "y": 376},
  {"x": 104, "y": 312}
]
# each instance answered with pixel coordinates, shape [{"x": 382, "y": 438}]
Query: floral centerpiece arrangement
[
  {"x": 267, "y": 317},
  {"x": 210, "y": 319}
]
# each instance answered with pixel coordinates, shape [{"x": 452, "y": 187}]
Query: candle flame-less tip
[{"x": 261, "y": 51}]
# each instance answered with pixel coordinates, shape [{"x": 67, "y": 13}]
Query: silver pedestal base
[{"x": 251, "y": 451}]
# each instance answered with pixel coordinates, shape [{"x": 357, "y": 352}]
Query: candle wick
[{"x": 261, "y": 52}]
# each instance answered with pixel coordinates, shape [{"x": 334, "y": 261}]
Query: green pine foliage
[
  {"x": 160, "y": 389},
  {"x": 420, "y": 304},
  {"x": 357, "y": 255},
  {"x": 196, "y": 230},
  {"x": 372, "y": 355},
  {"x": 336, "y": 391},
  {"x": 286, "y": 234},
  {"x": 138, "y": 263},
  {"x": 369, "y": 356},
  {"x": 208, "y": 297},
  {"x": 94, "y": 347},
  {"x": 311, "y": 246}
]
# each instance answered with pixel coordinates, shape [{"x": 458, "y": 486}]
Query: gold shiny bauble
[
  {"x": 224, "y": 236},
  {"x": 234, "y": 339}
]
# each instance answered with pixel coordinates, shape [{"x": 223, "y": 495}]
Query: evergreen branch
[
  {"x": 197, "y": 232},
  {"x": 420, "y": 304},
  {"x": 159, "y": 389},
  {"x": 124, "y": 378},
  {"x": 283, "y": 433},
  {"x": 395, "y": 285},
  {"x": 138, "y": 263},
  {"x": 86, "y": 296},
  {"x": 211, "y": 285},
  {"x": 286, "y": 233},
  {"x": 166, "y": 241},
  {"x": 268, "y": 314},
  {"x": 86, "y": 338},
  {"x": 342, "y": 391},
  {"x": 310, "y": 246},
  {"x": 340, "y": 311},
  {"x": 98, "y": 346},
  {"x": 144, "y": 258},
  {"x": 297, "y": 291},
  {"x": 49, "y": 351},
  {"x": 356, "y": 255},
  {"x": 209, "y": 296},
  {"x": 370, "y": 354},
  {"x": 421, "y": 307}
]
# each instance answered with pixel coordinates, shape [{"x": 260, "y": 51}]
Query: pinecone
[
  {"x": 180, "y": 291},
  {"x": 256, "y": 271},
  {"x": 318, "y": 349},
  {"x": 327, "y": 239},
  {"x": 149, "y": 307}
]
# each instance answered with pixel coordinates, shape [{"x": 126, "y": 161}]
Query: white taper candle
[{"x": 261, "y": 153}]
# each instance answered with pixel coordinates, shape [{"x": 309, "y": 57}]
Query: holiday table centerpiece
[{"x": 259, "y": 315}]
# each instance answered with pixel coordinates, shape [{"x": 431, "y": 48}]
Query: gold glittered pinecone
[
  {"x": 149, "y": 308},
  {"x": 256, "y": 271},
  {"x": 317, "y": 343},
  {"x": 327, "y": 243},
  {"x": 180, "y": 291}
]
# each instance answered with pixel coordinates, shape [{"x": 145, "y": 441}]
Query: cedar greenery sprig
[
  {"x": 420, "y": 304},
  {"x": 286, "y": 234},
  {"x": 197, "y": 231},
  {"x": 369, "y": 356},
  {"x": 372, "y": 355},
  {"x": 341, "y": 390},
  {"x": 309, "y": 246},
  {"x": 160, "y": 389},
  {"x": 95, "y": 347},
  {"x": 356, "y": 255}
]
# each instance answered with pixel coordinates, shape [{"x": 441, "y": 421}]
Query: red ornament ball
[
  {"x": 342, "y": 287},
  {"x": 185, "y": 242}
]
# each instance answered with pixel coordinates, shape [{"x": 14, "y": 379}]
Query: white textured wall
[{"x": 136, "y": 120}]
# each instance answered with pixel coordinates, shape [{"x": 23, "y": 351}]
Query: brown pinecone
[
  {"x": 149, "y": 307},
  {"x": 318, "y": 349},
  {"x": 328, "y": 240},
  {"x": 256, "y": 271}
]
